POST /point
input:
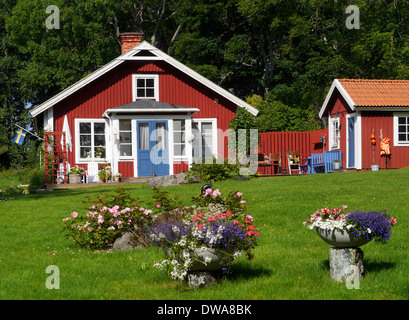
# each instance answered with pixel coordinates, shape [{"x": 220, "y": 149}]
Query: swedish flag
[{"x": 19, "y": 136}]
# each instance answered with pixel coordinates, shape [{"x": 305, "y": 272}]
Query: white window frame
[
  {"x": 396, "y": 141},
  {"x": 334, "y": 137},
  {"x": 182, "y": 156},
  {"x": 131, "y": 131},
  {"x": 199, "y": 121},
  {"x": 135, "y": 77},
  {"x": 78, "y": 158}
]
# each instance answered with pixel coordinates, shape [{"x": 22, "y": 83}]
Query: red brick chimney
[{"x": 129, "y": 40}]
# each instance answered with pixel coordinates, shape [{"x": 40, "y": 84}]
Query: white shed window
[
  {"x": 401, "y": 129},
  {"x": 334, "y": 132}
]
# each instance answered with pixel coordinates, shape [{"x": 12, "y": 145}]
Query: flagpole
[{"x": 29, "y": 132}]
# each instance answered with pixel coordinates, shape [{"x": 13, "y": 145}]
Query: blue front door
[
  {"x": 351, "y": 143},
  {"x": 152, "y": 144}
]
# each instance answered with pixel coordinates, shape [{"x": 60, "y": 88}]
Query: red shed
[
  {"x": 144, "y": 112},
  {"x": 356, "y": 110}
]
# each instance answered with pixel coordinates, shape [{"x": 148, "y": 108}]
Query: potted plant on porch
[
  {"x": 76, "y": 174},
  {"x": 337, "y": 164}
]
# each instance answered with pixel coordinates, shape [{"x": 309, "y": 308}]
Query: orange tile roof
[{"x": 377, "y": 93}]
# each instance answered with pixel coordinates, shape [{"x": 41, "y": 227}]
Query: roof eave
[{"x": 336, "y": 85}]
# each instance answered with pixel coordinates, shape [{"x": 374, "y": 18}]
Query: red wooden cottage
[
  {"x": 358, "y": 109},
  {"x": 144, "y": 112}
]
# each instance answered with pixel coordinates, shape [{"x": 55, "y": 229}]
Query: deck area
[{"x": 63, "y": 186}]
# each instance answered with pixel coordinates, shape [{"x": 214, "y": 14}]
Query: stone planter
[
  {"x": 341, "y": 238},
  {"x": 219, "y": 259},
  {"x": 75, "y": 178}
]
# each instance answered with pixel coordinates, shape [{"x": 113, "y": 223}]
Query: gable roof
[
  {"x": 370, "y": 94},
  {"x": 143, "y": 51}
]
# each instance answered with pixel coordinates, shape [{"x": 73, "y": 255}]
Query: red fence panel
[{"x": 304, "y": 142}]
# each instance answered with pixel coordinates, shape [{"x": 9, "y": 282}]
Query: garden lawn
[{"x": 291, "y": 262}]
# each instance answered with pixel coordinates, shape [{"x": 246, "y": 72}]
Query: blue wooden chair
[{"x": 329, "y": 157}]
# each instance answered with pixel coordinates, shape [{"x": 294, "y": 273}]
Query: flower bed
[{"x": 216, "y": 223}]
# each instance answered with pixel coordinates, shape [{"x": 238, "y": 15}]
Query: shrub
[
  {"x": 109, "y": 217},
  {"x": 211, "y": 170}
]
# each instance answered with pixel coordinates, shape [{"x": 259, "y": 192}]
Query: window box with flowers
[{"x": 76, "y": 174}]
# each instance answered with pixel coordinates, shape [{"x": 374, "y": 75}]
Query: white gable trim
[
  {"x": 129, "y": 56},
  {"x": 336, "y": 85}
]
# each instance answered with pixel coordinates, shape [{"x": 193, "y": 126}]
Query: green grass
[{"x": 291, "y": 262}]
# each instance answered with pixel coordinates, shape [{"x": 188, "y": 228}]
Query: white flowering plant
[
  {"x": 371, "y": 225},
  {"x": 211, "y": 226}
]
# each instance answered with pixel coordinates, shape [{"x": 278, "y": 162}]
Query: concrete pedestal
[{"x": 346, "y": 264}]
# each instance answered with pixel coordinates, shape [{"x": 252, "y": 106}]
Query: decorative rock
[
  {"x": 165, "y": 181},
  {"x": 345, "y": 263},
  {"x": 200, "y": 279},
  {"x": 127, "y": 242}
]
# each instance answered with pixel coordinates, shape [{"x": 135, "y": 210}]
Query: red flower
[{"x": 199, "y": 226}]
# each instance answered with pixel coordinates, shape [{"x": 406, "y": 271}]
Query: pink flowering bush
[{"x": 101, "y": 226}]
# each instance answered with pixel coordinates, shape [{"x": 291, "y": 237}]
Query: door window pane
[
  {"x": 161, "y": 136},
  {"x": 144, "y": 136}
]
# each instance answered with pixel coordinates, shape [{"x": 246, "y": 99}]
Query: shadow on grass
[
  {"x": 369, "y": 266},
  {"x": 245, "y": 271}
]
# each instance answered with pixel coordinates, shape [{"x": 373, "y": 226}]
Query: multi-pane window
[
  {"x": 125, "y": 138},
  {"x": 203, "y": 142},
  {"x": 145, "y": 87},
  {"x": 92, "y": 140},
  {"x": 403, "y": 129},
  {"x": 335, "y": 137},
  {"x": 179, "y": 138}
]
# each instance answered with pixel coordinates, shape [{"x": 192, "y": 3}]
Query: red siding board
[{"x": 378, "y": 121}]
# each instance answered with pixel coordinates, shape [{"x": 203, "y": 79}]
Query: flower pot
[
  {"x": 341, "y": 238},
  {"x": 75, "y": 178},
  {"x": 375, "y": 167},
  {"x": 116, "y": 179},
  {"x": 337, "y": 165},
  {"x": 219, "y": 259}
]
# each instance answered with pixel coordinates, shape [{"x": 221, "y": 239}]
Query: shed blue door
[
  {"x": 351, "y": 143},
  {"x": 153, "y": 154}
]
